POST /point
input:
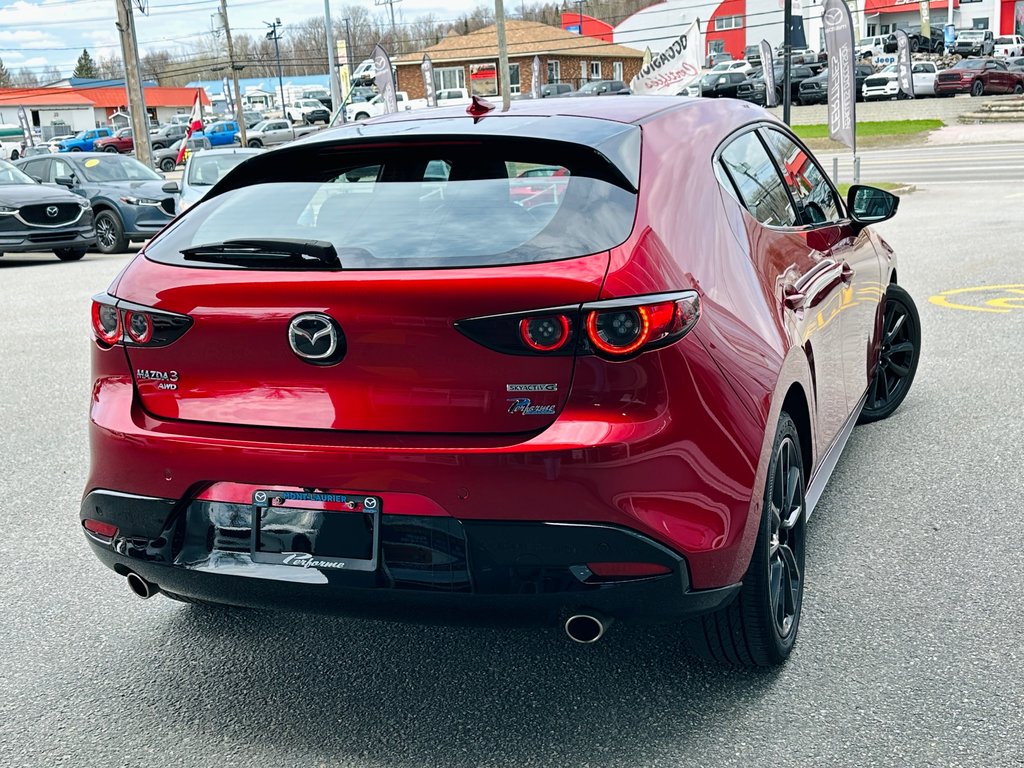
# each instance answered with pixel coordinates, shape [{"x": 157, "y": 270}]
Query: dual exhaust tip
[{"x": 583, "y": 628}]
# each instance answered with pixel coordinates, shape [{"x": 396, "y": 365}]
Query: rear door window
[{"x": 756, "y": 181}]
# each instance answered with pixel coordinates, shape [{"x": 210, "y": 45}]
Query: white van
[{"x": 364, "y": 73}]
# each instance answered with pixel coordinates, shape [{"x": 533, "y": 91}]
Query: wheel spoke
[
  {"x": 904, "y": 347},
  {"x": 898, "y": 369},
  {"x": 895, "y": 327},
  {"x": 775, "y": 588}
]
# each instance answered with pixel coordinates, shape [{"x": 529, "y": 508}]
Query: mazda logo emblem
[
  {"x": 52, "y": 211},
  {"x": 833, "y": 17},
  {"x": 316, "y": 338}
]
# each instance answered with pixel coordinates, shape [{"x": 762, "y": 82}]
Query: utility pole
[
  {"x": 239, "y": 117},
  {"x": 503, "y": 78},
  {"x": 273, "y": 35},
  {"x": 348, "y": 46},
  {"x": 332, "y": 58},
  {"x": 391, "y": 7},
  {"x": 136, "y": 97}
]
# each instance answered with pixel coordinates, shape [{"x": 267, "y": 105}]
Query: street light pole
[
  {"x": 332, "y": 57},
  {"x": 273, "y": 35},
  {"x": 787, "y": 55}
]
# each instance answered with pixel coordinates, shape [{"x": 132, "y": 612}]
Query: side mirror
[
  {"x": 64, "y": 181},
  {"x": 171, "y": 188},
  {"x": 870, "y": 205}
]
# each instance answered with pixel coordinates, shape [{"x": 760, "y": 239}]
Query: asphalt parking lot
[{"x": 911, "y": 650}]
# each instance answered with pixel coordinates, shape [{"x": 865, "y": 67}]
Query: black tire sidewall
[
  {"x": 897, "y": 293},
  {"x": 121, "y": 243}
]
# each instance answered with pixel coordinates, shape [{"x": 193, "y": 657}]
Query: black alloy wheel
[
  {"x": 977, "y": 88},
  {"x": 897, "y": 358},
  {"x": 759, "y": 627},
  {"x": 69, "y": 254},
  {"x": 110, "y": 233},
  {"x": 1017, "y": 89},
  {"x": 167, "y": 164}
]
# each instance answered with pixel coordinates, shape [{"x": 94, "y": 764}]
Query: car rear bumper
[{"x": 431, "y": 569}]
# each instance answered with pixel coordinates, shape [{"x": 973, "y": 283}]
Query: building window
[
  {"x": 872, "y": 30},
  {"x": 595, "y": 70},
  {"x": 616, "y": 70},
  {"x": 513, "y": 78},
  {"x": 483, "y": 79},
  {"x": 729, "y": 22},
  {"x": 554, "y": 71},
  {"x": 449, "y": 77},
  {"x": 980, "y": 23},
  {"x": 885, "y": 29}
]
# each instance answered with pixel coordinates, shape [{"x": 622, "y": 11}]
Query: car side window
[
  {"x": 757, "y": 181},
  {"x": 816, "y": 202},
  {"x": 36, "y": 169},
  {"x": 61, "y": 169}
]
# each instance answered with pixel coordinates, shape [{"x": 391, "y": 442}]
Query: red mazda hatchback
[{"x": 367, "y": 375}]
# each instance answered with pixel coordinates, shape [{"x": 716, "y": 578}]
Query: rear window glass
[{"x": 397, "y": 207}]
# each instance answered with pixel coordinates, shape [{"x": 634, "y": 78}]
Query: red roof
[
  {"x": 156, "y": 96},
  {"x": 43, "y": 97},
  {"x": 903, "y": 6},
  {"x": 107, "y": 98}
]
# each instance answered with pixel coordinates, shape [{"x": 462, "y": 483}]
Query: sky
[{"x": 37, "y": 33}]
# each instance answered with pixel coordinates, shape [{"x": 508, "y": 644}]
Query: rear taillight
[
  {"x": 615, "y": 329},
  {"x": 120, "y": 322}
]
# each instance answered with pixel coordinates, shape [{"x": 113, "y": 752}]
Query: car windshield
[
  {"x": 208, "y": 170},
  {"x": 969, "y": 64},
  {"x": 11, "y": 175},
  {"x": 866, "y": 41},
  {"x": 414, "y": 207},
  {"x": 971, "y": 35},
  {"x": 80, "y": 135},
  {"x": 114, "y": 167},
  {"x": 260, "y": 126}
]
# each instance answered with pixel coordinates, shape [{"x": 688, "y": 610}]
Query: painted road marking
[{"x": 984, "y": 298}]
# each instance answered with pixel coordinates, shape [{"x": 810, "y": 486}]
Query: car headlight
[
  {"x": 140, "y": 201},
  {"x": 85, "y": 203},
  {"x": 6, "y": 210}
]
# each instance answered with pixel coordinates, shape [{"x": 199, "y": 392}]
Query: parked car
[
  {"x": 548, "y": 421},
  {"x": 716, "y": 57},
  {"x": 974, "y": 42},
  {"x": 1015, "y": 65},
  {"x": 933, "y": 43},
  {"x": 222, "y": 133},
  {"x": 721, "y": 84},
  {"x": 737, "y": 65},
  {"x": 549, "y": 90},
  {"x": 308, "y": 111},
  {"x": 38, "y": 149},
  {"x": 365, "y": 73},
  {"x": 752, "y": 54},
  {"x": 249, "y": 116},
  {"x": 361, "y": 93},
  {"x": 600, "y": 88},
  {"x": 167, "y": 134},
  {"x": 884, "y": 85},
  {"x": 752, "y": 89},
  {"x": 128, "y": 203},
  {"x": 121, "y": 142},
  {"x": 203, "y": 170},
  {"x": 364, "y": 110},
  {"x": 83, "y": 141},
  {"x": 268, "y": 133},
  {"x": 814, "y": 90},
  {"x": 1008, "y": 47},
  {"x": 167, "y": 159},
  {"x": 979, "y": 77},
  {"x": 871, "y": 46},
  {"x": 34, "y": 217}
]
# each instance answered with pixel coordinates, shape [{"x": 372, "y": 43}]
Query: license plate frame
[{"x": 322, "y": 526}]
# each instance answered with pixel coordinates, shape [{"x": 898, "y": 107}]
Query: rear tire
[
  {"x": 897, "y": 360},
  {"x": 977, "y": 88},
  {"x": 361, "y": 115},
  {"x": 110, "y": 233},
  {"x": 759, "y": 627},
  {"x": 14, "y": 155},
  {"x": 110, "y": 149},
  {"x": 167, "y": 164},
  {"x": 255, "y": 143},
  {"x": 1018, "y": 89},
  {"x": 69, "y": 254}
]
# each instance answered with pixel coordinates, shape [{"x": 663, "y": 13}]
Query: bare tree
[{"x": 25, "y": 78}]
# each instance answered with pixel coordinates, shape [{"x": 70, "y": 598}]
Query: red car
[
  {"x": 360, "y": 378},
  {"x": 121, "y": 142},
  {"x": 979, "y": 77}
]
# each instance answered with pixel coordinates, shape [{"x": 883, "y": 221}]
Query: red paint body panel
[{"x": 673, "y": 444}]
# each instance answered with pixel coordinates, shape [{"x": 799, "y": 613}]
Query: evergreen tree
[
  {"x": 5, "y": 76},
  {"x": 85, "y": 67}
]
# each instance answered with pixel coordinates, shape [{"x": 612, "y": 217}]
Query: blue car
[
  {"x": 84, "y": 141},
  {"x": 128, "y": 200},
  {"x": 222, "y": 133}
]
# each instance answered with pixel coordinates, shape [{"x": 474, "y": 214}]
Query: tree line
[{"x": 303, "y": 44}]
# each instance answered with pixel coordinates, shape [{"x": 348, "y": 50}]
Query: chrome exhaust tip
[
  {"x": 586, "y": 628},
  {"x": 140, "y": 586}
]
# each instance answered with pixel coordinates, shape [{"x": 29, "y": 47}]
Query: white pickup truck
[
  {"x": 883, "y": 85},
  {"x": 268, "y": 133},
  {"x": 364, "y": 110}
]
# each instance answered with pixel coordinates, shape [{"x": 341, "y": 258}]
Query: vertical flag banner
[
  {"x": 842, "y": 87},
  {"x": 768, "y": 72},
  {"x": 670, "y": 71},
  {"x": 904, "y": 69},
  {"x": 647, "y": 57},
  {"x": 384, "y": 77},
  {"x": 427, "y": 70},
  {"x": 926, "y": 22},
  {"x": 535, "y": 93},
  {"x": 195, "y": 125}
]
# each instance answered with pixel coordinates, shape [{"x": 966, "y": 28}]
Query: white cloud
[{"x": 27, "y": 38}]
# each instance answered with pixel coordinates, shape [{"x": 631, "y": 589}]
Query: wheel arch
[{"x": 796, "y": 405}]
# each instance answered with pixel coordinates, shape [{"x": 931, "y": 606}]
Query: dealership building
[{"x": 732, "y": 25}]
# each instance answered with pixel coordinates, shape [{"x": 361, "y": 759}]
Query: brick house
[{"x": 471, "y": 61}]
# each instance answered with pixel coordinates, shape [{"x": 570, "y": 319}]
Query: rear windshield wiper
[{"x": 269, "y": 253}]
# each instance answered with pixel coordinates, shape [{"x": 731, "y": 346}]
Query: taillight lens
[
  {"x": 616, "y": 329},
  {"x": 120, "y": 322}
]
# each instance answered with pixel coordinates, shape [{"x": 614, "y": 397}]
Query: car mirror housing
[
  {"x": 64, "y": 181},
  {"x": 870, "y": 205},
  {"x": 171, "y": 188}
]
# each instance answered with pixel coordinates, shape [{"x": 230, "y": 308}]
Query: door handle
[{"x": 847, "y": 273}]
